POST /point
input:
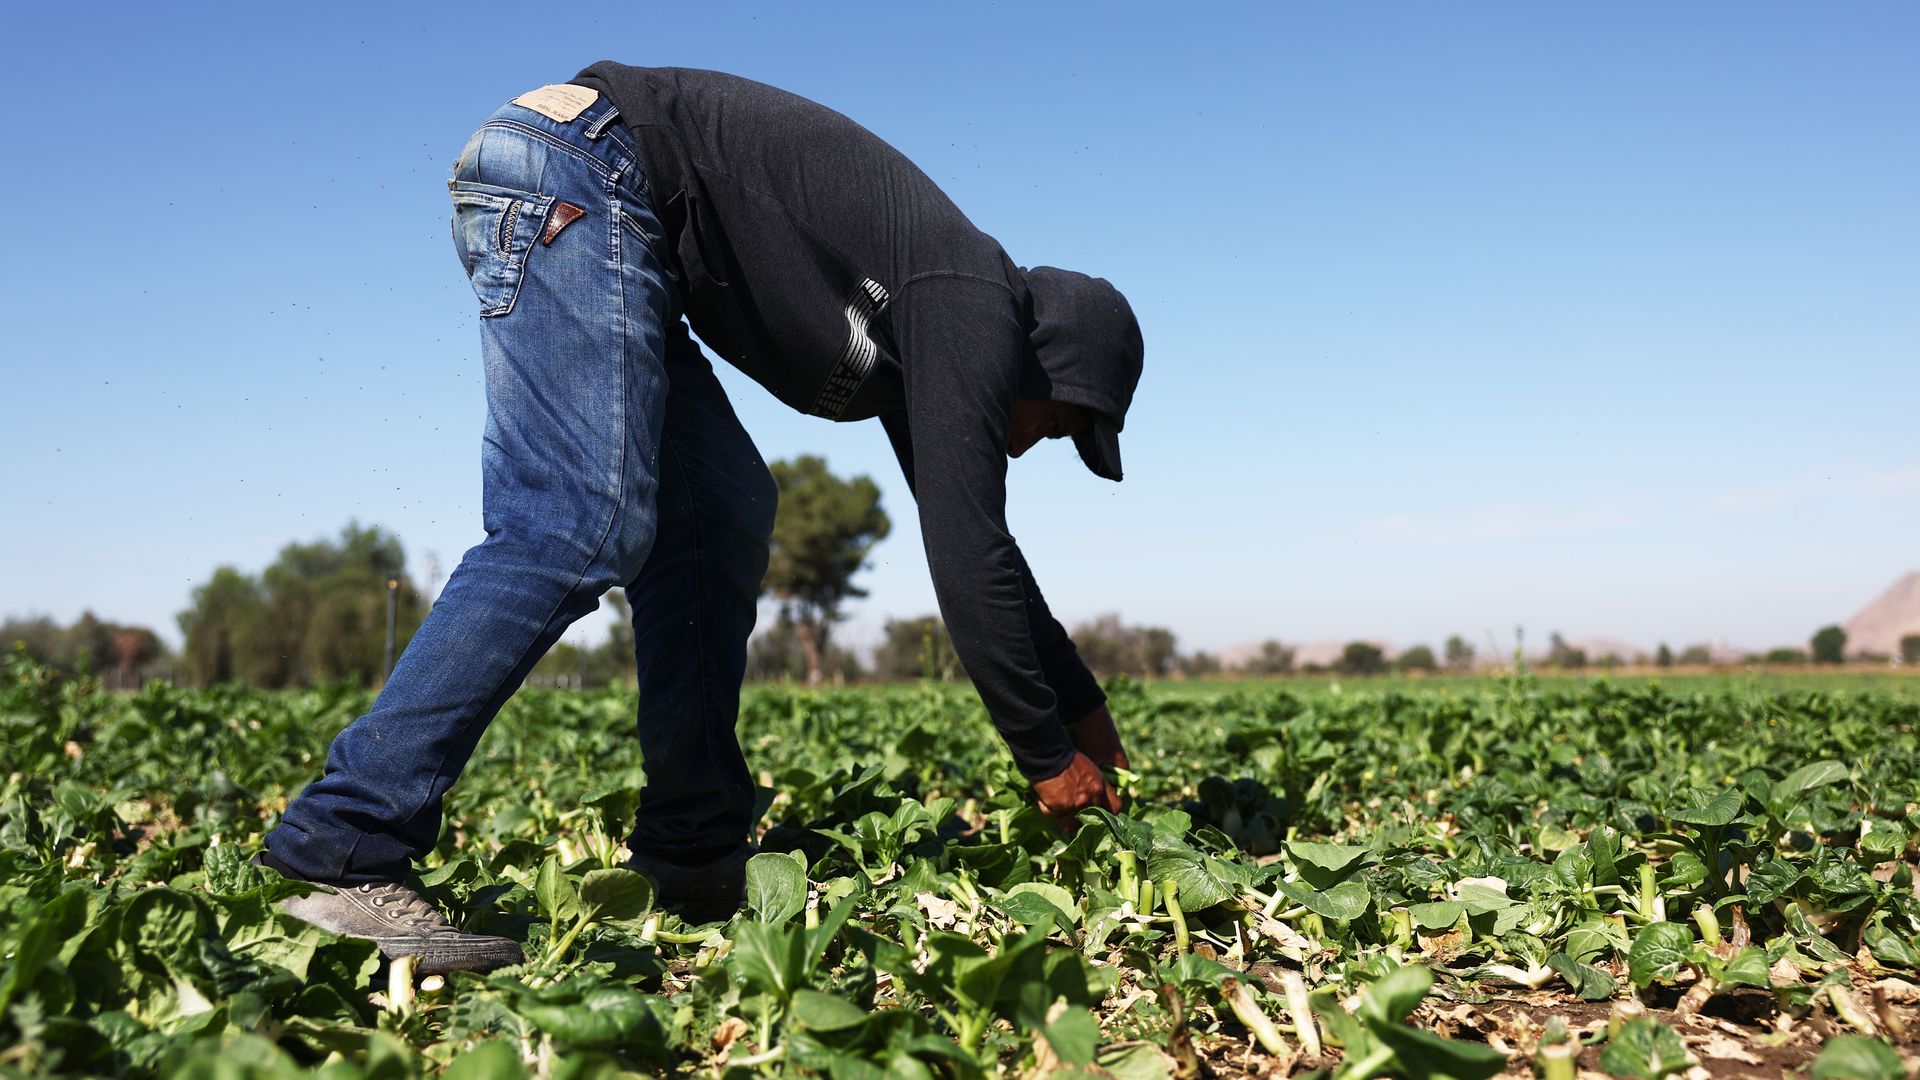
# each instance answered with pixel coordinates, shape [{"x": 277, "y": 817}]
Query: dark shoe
[
  {"x": 401, "y": 922},
  {"x": 707, "y": 892}
]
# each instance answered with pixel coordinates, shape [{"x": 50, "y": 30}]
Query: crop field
[{"x": 1630, "y": 878}]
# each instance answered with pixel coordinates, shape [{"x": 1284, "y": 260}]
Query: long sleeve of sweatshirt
[
  {"x": 961, "y": 342},
  {"x": 1076, "y": 690}
]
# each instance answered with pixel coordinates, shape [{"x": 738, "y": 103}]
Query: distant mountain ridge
[{"x": 1880, "y": 625}]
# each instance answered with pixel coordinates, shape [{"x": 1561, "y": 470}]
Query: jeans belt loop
[{"x": 605, "y": 120}]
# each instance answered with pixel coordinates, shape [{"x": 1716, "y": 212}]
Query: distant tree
[
  {"x": 1459, "y": 654},
  {"x": 1158, "y": 648},
  {"x": 1695, "y": 656},
  {"x": 1564, "y": 656},
  {"x": 915, "y": 649},
  {"x": 1362, "y": 658},
  {"x": 1910, "y": 649},
  {"x": 42, "y": 637},
  {"x": 318, "y": 613},
  {"x": 224, "y": 626},
  {"x": 1418, "y": 658},
  {"x": 1663, "y": 656},
  {"x": 1830, "y": 646},
  {"x": 822, "y": 535},
  {"x": 91, "y": 645},
  {"x": 774, "y": 653},
  {"x": 1272, "y": 659},
  {"x": 1784, "y": 656},
  {"x": 1200, "y": 664},
  {"x": 1109, "y": 646}
]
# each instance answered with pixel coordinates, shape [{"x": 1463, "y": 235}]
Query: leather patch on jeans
[
  {"x": 558, "y": 101},
  {"x": 563, "y": 215}
]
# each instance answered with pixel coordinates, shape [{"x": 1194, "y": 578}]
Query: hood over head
[{"x": 1087, "y": 351}]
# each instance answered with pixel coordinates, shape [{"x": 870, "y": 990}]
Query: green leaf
[
  {"x": 776, "y": 887},
  {"x": 557, "y": 896},
  {"x": 1587, "y": 982},
  {"x": 1481, "y": 898},
  {"x": 1857, "y": 1057},
  {"x": 1770, "y": 880},
  {"x": 824, "y": 1012},
  {"x": 1325, "y": 865},
  {"x": 1645, "y": 1049},
  {"x": 1345, "y": 901},
  {"x": 1074, "y": 1035},
  {"x": 1031, "y": 901},
  {"x": 1140, "y": 1061},
  {"x": 55, "y": 923},
  {"x": 1202, "y": 879},
  {"x": 617, "y": 895},
  {"x": 1394, "y": 997},
  {"x": 1808, "y": 777},
  {"x": 770, "y": 958},
  {"x": 1436, "y": 917},
  {"x": 1719, "y": 810},
  {"x": 602, "y": 1018},
  {"x": 1748, "y": 967},
  {"x": 1887, "y": 947},
  {"x": 1658, "y": 952},
  {"x": 494, "y": 1059},
  {"x": 1422, "y": 1055}
]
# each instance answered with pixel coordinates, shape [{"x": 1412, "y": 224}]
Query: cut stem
[
  {"x": 400, "y": 999},
  {"x": 1170, "y": 889},
  {"x": 1249, "y": 1014},
  {"x": 1300, "y": 1008}
]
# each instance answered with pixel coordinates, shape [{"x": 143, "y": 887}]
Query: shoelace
[{"x": 413, "y": 910}]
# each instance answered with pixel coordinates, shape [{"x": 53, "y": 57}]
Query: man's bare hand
[
  {"x": 1081, "y": 787},
  {"x": 1096, "y": 736}
]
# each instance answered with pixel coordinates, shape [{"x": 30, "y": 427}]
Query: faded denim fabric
[{"x": 610, "y": 458}]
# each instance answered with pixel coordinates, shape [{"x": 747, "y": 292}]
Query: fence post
[{"x": 393, "y": 610}]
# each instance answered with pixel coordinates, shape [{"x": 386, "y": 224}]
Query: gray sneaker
[
  {"x": 402, "y": 923},
  {"x": 708, "y": 892}
]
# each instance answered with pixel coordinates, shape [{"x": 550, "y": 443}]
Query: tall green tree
[
  {"x": 1910, "y": 649},
  {"x": 1362, "y": 658},
  {"x": 822, "y": 536},
  {"x": 1830, "y": 646},
  {"x": 1459, "y": 654},
  {"x": 225, "y": 630},
  {"x": 1274, "y": 658},
  {"x": 317, "y": 614},
  {"x": 916, "y": 649},
  {"x": 1418, "y": 658}
]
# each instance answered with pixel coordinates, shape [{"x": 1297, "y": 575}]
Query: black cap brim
[{"x": 1099, "y": 446}]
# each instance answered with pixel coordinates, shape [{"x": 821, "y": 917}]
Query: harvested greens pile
[{"x": 1382, "y": 879}]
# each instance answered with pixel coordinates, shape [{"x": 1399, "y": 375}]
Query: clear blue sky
[{"x": 1602, "y": 319}]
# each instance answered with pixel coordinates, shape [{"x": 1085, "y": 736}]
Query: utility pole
[{"x": 393, "y": 611}]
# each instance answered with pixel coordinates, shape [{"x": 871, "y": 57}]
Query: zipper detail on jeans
[{"x": 505, "y": 237}]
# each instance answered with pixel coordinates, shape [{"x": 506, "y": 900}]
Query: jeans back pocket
[{"x": 494, "y": 229}]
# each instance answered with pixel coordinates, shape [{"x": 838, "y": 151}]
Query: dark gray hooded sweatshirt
[{"x": 818, "y": 260}]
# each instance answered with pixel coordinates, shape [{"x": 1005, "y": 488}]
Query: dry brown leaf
[
  {"x": 941, "y": 912},
  {"x": 1718, "y": 1046}
]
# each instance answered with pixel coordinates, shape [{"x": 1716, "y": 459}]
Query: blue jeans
[{"x": 611, "y": 458}]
